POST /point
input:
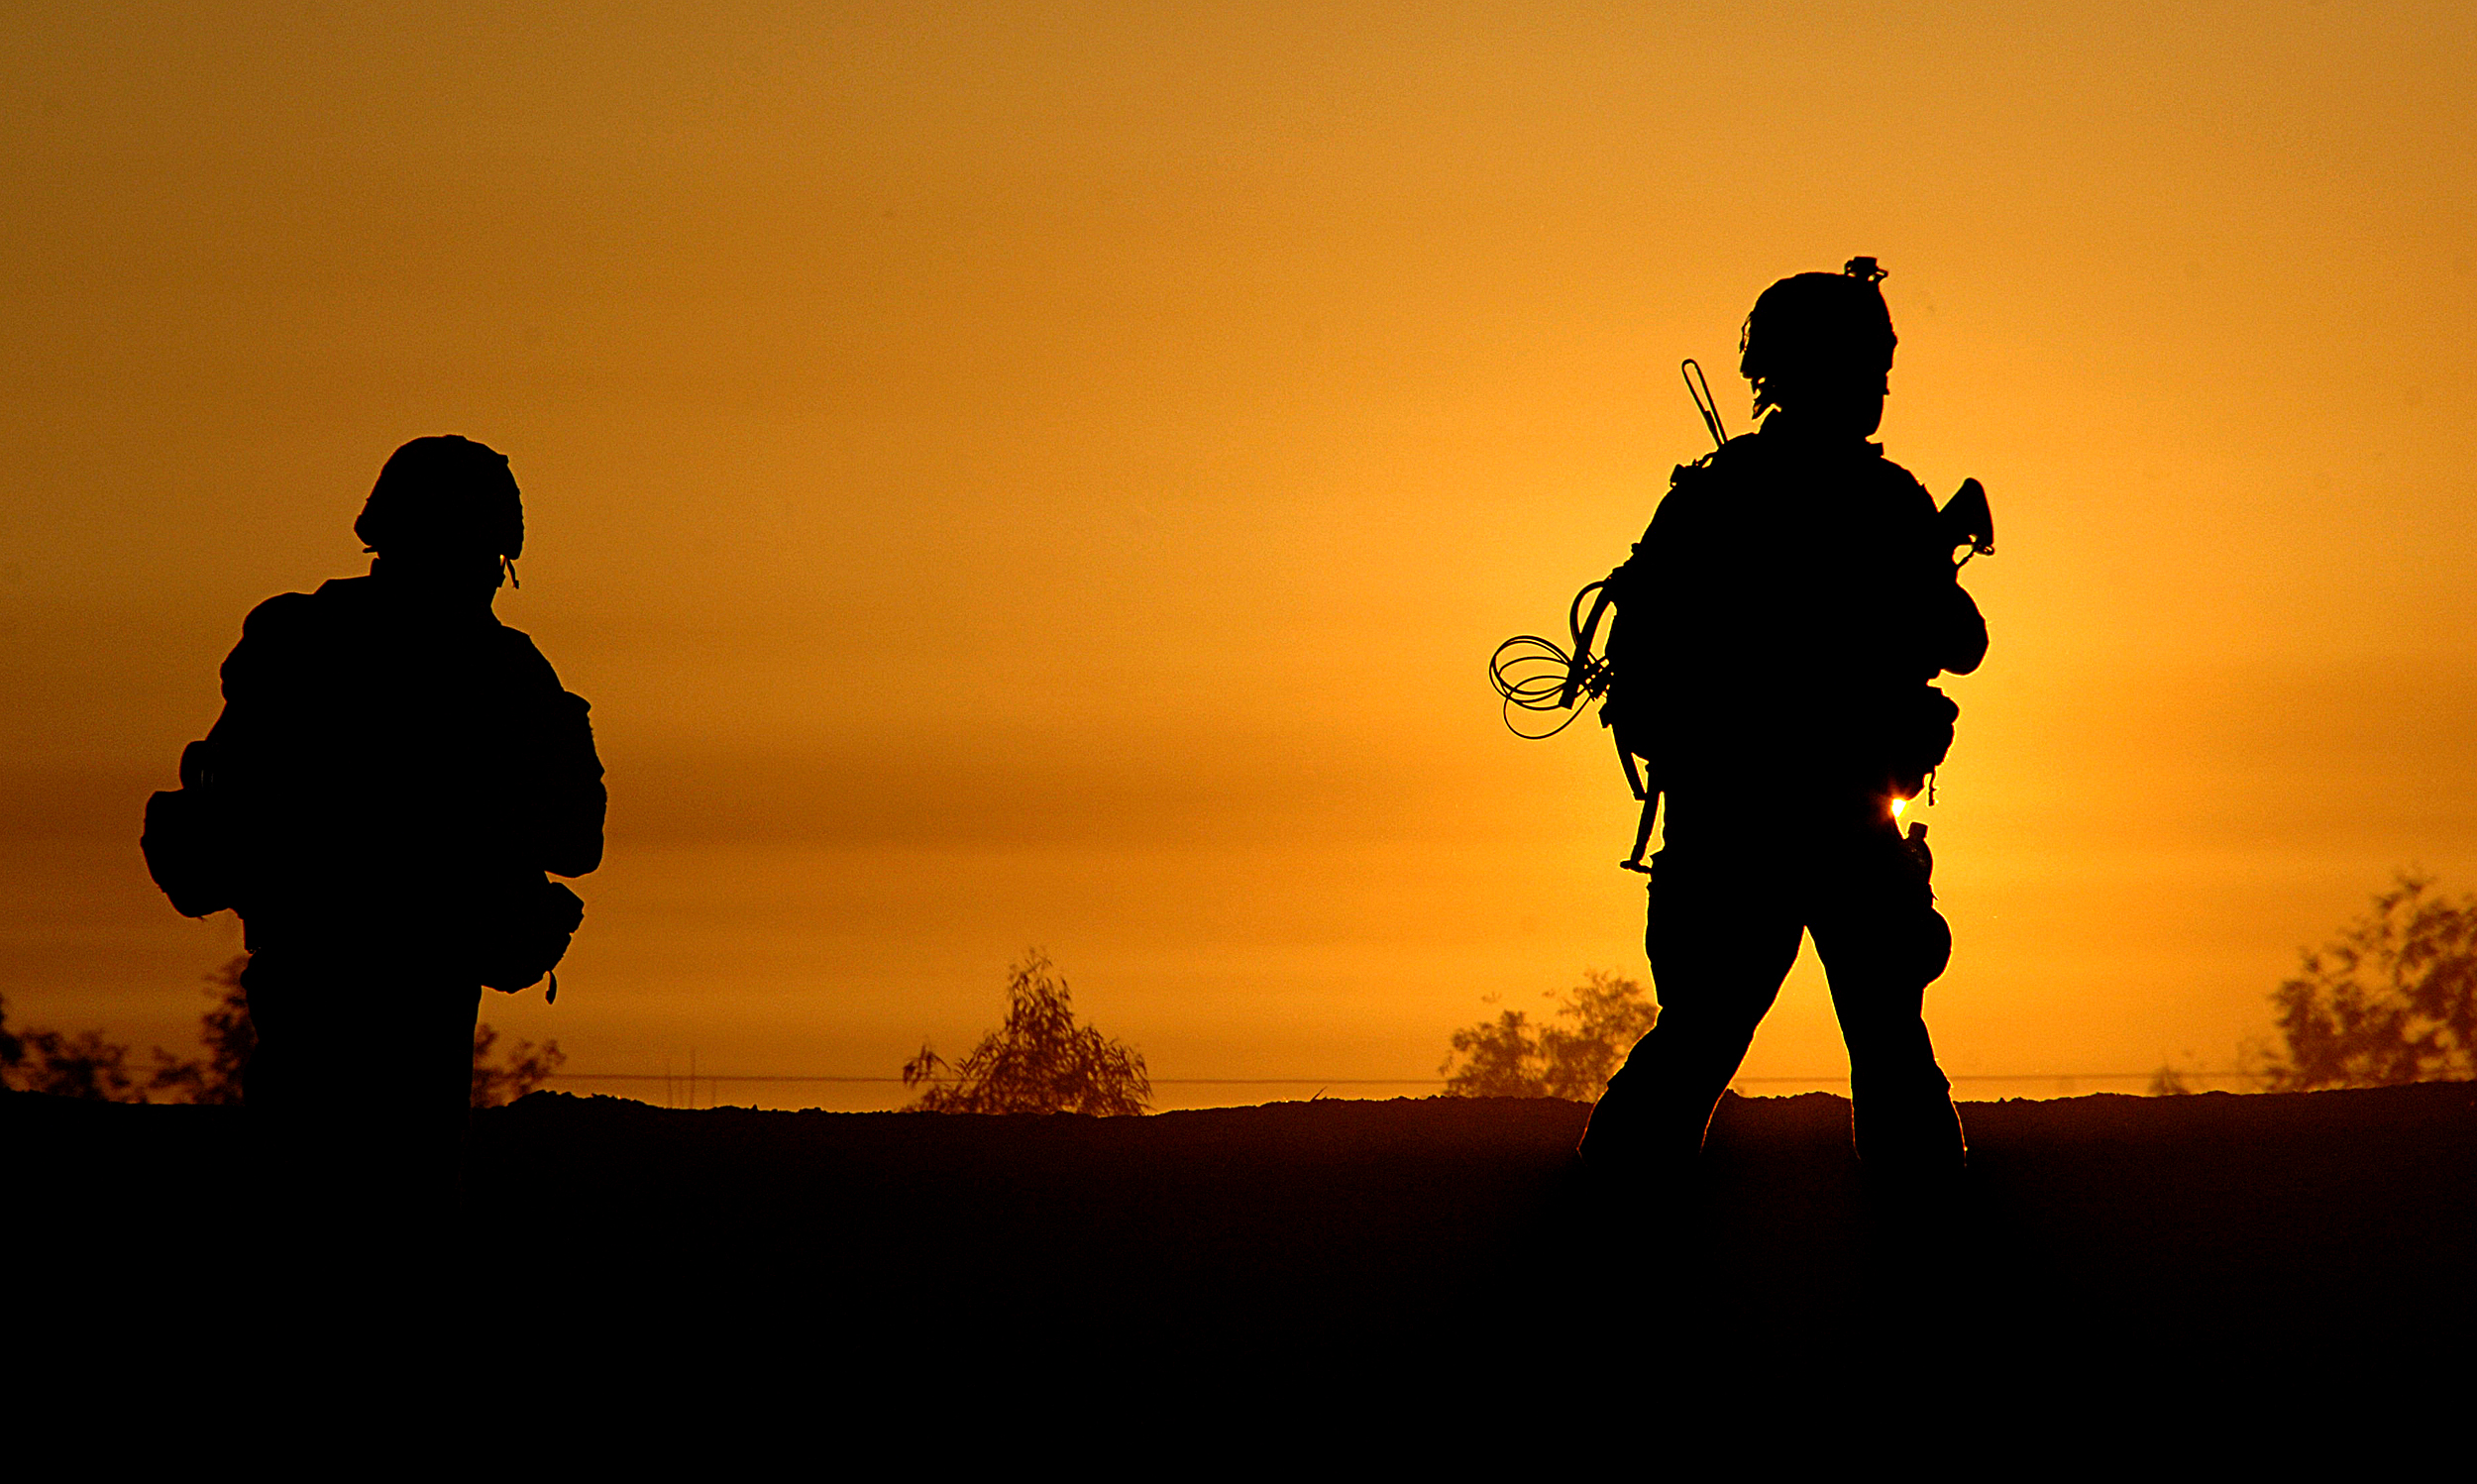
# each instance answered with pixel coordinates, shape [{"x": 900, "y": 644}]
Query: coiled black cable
[{"x": 1539, "y": 675}]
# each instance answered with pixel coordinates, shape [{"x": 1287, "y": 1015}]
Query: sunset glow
[{"x": 1016, "y": 475}]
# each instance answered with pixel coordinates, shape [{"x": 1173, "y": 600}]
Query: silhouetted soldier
[
  {"x": 393, "y": 774},
  {"x": 1777, "y": 628}
]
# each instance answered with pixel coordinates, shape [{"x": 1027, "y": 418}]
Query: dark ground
[{"x": 1451, "y": 1231}]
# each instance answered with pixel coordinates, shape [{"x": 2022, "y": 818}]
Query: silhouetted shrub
[
  {"x": 87, "y": 1065},
  {"x": 2392, "y": 1000},
  {"x": 526, "y": 1068},
  {"x": 2168, "y": 1082},
  {"x": 79, "y": 1065},
  {"x": 1040, "y": 1061},
  {"x": 229, "y": 1037},
  {"x": 82, "y": 1064},
  {"x": 1508, "y": 1058}
]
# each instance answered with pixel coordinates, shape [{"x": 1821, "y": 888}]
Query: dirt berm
[{"x": 1337, "y": 1227}]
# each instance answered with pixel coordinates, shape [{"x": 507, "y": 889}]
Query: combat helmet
[
  {"x": 442, "y": 495},
  {"x": 1817, "y": 326}
]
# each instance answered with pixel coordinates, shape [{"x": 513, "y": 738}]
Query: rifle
[{"x": 1965, "y": 520}]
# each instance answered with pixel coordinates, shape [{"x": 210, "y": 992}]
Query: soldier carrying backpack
[
  {"x": 394, "y": 774},
  {"x": 1776, "y": 631}
]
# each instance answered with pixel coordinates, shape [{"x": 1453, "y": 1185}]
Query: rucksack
[{"x": 1533, "y": 674}]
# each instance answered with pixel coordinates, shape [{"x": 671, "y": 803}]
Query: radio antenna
[{"x": 1700, "y": 390}]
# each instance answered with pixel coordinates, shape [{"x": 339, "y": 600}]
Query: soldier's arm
[
  {"x": 572, "y": 801},
  {"x": 567, "y": 800},
  {"x": 266, "y": 685},
  {"x": 1683, "y": 576},
  {"x": 1960, "y": 631},
  {"x": 1950, "y": 632}
]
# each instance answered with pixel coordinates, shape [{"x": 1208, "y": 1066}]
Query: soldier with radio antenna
[{"x": 1769, "y": 672}]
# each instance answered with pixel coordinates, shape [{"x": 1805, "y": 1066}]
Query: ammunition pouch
[
  {"x": 1921, "y": 733},
  {"x": 521, "y": 936},
  {"x": 187, "y": 841}
]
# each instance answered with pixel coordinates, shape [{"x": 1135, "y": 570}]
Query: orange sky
[{"x": 1013, "y": 475}]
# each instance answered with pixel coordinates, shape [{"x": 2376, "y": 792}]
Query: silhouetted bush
[
  {"x": 1040, "y": 1061},
  {"x": 87, "y": 1065},
  {"x": 229, "y": 1037},
  {"x": 2392, "y": 1000},
  {"x": 1508, "y": 1058},
  {"x": 2168, "y": 1082},
  {"x": 82, "y": 1064},
  {"x": 527, "y": 1067},
  {"x": 65, "y": 1065}
]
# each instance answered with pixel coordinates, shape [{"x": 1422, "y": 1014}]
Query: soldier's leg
[
  {"x": 419, "y": 1093},
  {"x": 299, "y": 1077},
  {"x": 360, "y": 1083},
  {"x": 310, "y": 1198},
  {"x": 359, "y": 1090},
  {"x": 1720, "y": 946},
  {"x": 1883, "y": 942}
]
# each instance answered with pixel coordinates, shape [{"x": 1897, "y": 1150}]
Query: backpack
[
  {"x": 508, "y": 926},
  {"x": 1917, "y": 728},
  {"x": 1536, "y": 675}
]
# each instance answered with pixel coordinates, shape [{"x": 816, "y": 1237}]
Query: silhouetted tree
[
  {"x": 228, "y": 1039},
  {"x": 2168, "y": 1082},
  {"x": 527, "y": 1067},
  {"x": 1040, "y": 1061},
  {"x": 87, "y": 1065},
  {"x": 1508, "y": 1058},
  {"x": 65, "y": 1065},
  {"x": 2392, "y": 1000},
  {"x": 1500, "y": 1059}
]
